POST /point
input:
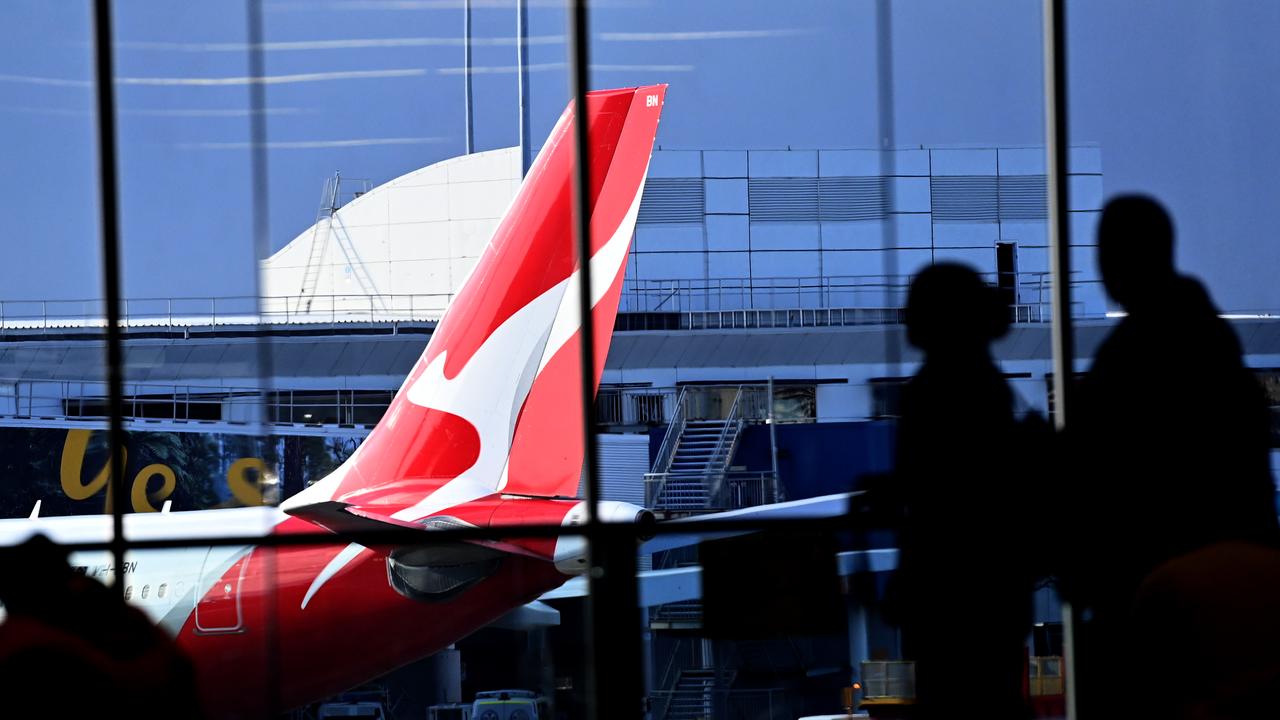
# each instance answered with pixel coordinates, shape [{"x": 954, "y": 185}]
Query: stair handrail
[
  {"x": 667, "y": 683},
  {"x": 732, "y": 420},
  {"x": 679, "y": 418},
  {"x": 667, "y": 451}
]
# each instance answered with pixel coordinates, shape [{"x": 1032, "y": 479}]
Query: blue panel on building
[
  {"x": 1021, "y": 161},
  {"x": 728, "y": 232},
  {"x": 675, "y": 164},
  {"x": 784, "y": 236},
  {"x": 963, "y": 161},
  {"x": 818, "y": 458},
  {"x": 724, "y": 163},
  {"x": 668, "y": 238},
  {"x": 726, "y": 196},
  {"x": 783, "y": 163},
  {"x": 784, "y": 264}
]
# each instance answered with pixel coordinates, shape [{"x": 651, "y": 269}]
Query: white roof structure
[{"x": 399, "y": 251}]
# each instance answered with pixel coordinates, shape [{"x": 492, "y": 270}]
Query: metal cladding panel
[
  {"x": 139, "y": 361},
  {"x": 806, "y": 349},
  {"x": 1021, "y": 161},
  {"x": 16, "y": 361},
  {"x": 239, "y": 360},
  {"x": 624, "y": 459},
  {"x": 45, "y": 362},
  {"x": 1265, "y": 340},
  {"x": 675, "y": 164},
  {"x": 736, "y": 350},
  {"x": 618, "y": 351},
  {"x": 781, "y": 199},
  {"x": 351, "y": 357},
  {"x": 81, "y": 363},
  {"x": 1023, "y": 197},
  {"x": 724, "y": 163},
  {"x": 379, "y": 358},
  {"x": 1085, "y": 160},
  {"x": 670, "y": 351},
  {"x": 287, "y": 357},
  {"x": 704, "y": 350},
  {"x": 672, "y": 200},
  {"x": 13, "y": 363},
  {"x": 1021, "y": 343},
  {"x": 791, "y": 351},
  {"x": 645, "y": 351},
  {"x": 728, "y": 232},
  {"x": 1249, "y": 334},
  {"x": 1087, "y": 340},
  {"x": 203, "y": 362},
  {"x": 405, "y": 359},
  {"x": 853, "y": 198},
  {"x": 782, "y": 163},
  {"x": 320, "y": 359},
  {"x": 668, "y": 238},
  {"x": 726, "y": 195},
  {"x": 964, "y": 198},
  {"x": 173, "y": 359},
  {"x": 963, "y": 161}
]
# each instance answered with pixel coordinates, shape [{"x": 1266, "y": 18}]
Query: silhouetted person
[
  {"x": 70, "y": 647},
  {"x": 962, "y": 593},
  {"x": 1170, "y": 438}
]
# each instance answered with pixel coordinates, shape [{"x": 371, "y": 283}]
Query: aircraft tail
[{"x": 492, "y": 406}]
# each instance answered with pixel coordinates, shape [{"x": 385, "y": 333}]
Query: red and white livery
[{"x": 484, "y": 432}]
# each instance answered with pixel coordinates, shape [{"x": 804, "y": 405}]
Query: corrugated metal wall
[
  {"x": 624, "y": 459},
  {"x": 672, "y": 200}
]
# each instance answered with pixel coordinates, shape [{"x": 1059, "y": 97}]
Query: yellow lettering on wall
[
  {"x": 73, "y": 451},
  {"x": 142, "y": 503},
  {"x": 247, "y": 491}
]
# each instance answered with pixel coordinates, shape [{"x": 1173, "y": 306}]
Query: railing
[
  {"x": 736, "y": 489},
  {"x": 880, "y": 292},
  {"x": 726, "y": 302},
  {"x": 228, "y": 310},
  {"x": 634, "y": 405},
  {"x": 721, "y": 456},
  {"x": 801, "y": 317},
  {"x": 684, "y": 655},
  {"x": 85, "y": 400},
  {"x": 737, "y": 704},
  {"x": 749, "y": 489},
  {"x": 667, "y": 451}
]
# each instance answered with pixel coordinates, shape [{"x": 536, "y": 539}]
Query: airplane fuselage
[{"x": 238, "y": 611}]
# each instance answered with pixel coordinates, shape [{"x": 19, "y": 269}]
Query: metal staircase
[
  {"x": 693, "y": 694},
  {"x": 689, "y": 472},
  {"x": 700, "y": 460}
]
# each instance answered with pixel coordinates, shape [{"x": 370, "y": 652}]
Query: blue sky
[{"x": 1180, "y": 96}]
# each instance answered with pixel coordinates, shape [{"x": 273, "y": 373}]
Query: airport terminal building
[{"x": 757, "y": 357}]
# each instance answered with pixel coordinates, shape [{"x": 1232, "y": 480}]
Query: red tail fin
[{"x": 492, "y": 404}]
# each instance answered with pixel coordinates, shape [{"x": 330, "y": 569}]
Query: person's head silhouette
[
  {"x": 1135, "y": 249},
  {"x": 951, "y": 311}
]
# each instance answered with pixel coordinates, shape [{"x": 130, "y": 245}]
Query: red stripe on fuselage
[{"x": 356, "y": 628}]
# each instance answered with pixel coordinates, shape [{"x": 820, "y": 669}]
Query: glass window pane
[{"x": 1178, "y": 372}]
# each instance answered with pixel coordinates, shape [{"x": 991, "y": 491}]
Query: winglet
[{"x": 35, "y": 511}]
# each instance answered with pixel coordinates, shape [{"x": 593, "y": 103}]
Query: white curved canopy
[{"x": 398, "y": 251}]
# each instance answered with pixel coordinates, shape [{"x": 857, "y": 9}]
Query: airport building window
[{"x": 768, "y": 232}]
